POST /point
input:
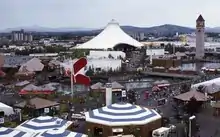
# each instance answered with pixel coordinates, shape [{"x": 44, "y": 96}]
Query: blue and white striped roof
[
  {"x": 60, "y": 133},
  {"x": 9, "y": 132},
  {"x": 43, "y": 123},
  {"x": 120, "y": 114}
]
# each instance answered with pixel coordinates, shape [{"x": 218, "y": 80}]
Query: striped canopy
[
  {"x": 121, "y": 114},
  {"x": 60, "y": 133},
  {"x": 8, "y": 132},
  {"x": 43, "y": 123}
]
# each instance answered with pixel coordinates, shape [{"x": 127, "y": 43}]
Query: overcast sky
[{"x": 97, "y": 13}]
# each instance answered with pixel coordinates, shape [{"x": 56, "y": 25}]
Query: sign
[
  {"x": 46, "y": 110},
  {"x": 123, "y": 93},
  {"x": 2, "y": 120}
]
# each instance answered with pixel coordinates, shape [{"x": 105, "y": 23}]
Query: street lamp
[{"x": 190, "y": 125}]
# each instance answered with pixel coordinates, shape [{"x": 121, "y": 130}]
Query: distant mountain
[
  {"x": 214, "y": 30},
  {"x": 161, "y": 30},
  {"x": 44, "y": 29}
]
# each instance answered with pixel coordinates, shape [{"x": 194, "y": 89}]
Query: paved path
[{"x": 173, "y": 75}]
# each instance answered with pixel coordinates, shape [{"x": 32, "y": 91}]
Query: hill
[
  {"x": 162, "y": 30},
  {"x": 159, "y": 30}
]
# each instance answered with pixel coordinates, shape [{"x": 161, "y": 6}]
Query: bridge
[
  {"x": 169, "y": 75},
  {"x": 201, "y": 60}
]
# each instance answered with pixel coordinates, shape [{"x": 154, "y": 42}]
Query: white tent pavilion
[
  {"x": 122, "y": 114},
  {"x": 7, "y": 109},
  {"x": 44, "y": 123},
  {"x": 211, "y": 86},
  {"x": 110, "y": 37},
  {"x": 60, "y": 133},
  {"x": 9, "y": 132}
]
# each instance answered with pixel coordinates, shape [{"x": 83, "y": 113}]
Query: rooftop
[
  {"x": 121, "y": 114},
  {"x": 200, "y": 18},
  {"x": 38, "y": 103}
]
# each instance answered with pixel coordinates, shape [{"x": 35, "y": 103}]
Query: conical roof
[
  {"x": 111, "y": 36},
  {"x": 200, "y": 18},
  {"x": 192, "y": 94},
  {"x": 116, "y": 85},
  {"x": 96, "y": 86}
]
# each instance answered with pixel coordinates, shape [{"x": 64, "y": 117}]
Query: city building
[
  {"x": 21, "y": 36},
  {"x": 155, "y": 51},
  {"x": 200, "y": 37},
  {"x": 166, "y": 62},
  {"x": 142, "y": 36}
]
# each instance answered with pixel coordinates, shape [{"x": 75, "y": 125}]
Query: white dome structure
[{"x": 110, "y": 37}]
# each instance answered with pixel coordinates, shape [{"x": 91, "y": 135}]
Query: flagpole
[{"x": 71, "y": 79}]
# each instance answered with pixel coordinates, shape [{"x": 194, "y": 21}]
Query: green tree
[{"x": 90, "y": 72}]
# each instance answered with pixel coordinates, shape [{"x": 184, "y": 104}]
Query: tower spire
[{"x": 200, "y": 18}]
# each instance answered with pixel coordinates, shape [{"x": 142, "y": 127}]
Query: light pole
[{"x": 190, "y": 125}]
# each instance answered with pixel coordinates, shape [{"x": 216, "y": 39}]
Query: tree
[
  {"x": 110, "y": 70},
  {"x": 90, "y": 71},
  {"x": 185, "y": 88},
  {"x": 192, "y": 106}
]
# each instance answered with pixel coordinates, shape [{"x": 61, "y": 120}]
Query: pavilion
[
  {"x": 44, "y": 123},
  {"x": 60, "y": 133},
  {"x": 121, "y": 118},
  {"x": 9, "y": 132},
  {"x": 112, "y": 37}
]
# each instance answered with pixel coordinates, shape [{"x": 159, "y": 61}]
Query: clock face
[{"x": 200, "y": 25}]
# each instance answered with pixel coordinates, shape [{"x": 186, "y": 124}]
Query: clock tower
[{"x": 200, "y": 37}]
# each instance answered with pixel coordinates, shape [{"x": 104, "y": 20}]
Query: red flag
[
  {"x": 79, "y": 64},
  {"x": 81, "y": 79},
  {"x": 77, "y": 77}
]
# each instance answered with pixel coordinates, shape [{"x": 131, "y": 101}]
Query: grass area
[
  {"x": 10, "y": 124},
  {"x": 63, "y": 108}
]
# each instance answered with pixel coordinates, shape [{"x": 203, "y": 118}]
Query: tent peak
[{"x": 113, "y": 22}]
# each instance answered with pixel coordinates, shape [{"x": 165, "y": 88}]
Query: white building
[
  {"x": 106, "y": 54},
  {"x": 21, "y": 36},
  {"x": 191, "y": 38},
  {"x": 97, "y": 64},
  {"x": 156, "y": 51},
  {"x": 142, "y": 36},
  {"x": 104, "y": 64},
  {"x": 110, "y": 37},
  {"x": 44, "y": 55}
]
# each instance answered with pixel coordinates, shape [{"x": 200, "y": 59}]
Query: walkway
[{"x": 171, "y": 75}]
